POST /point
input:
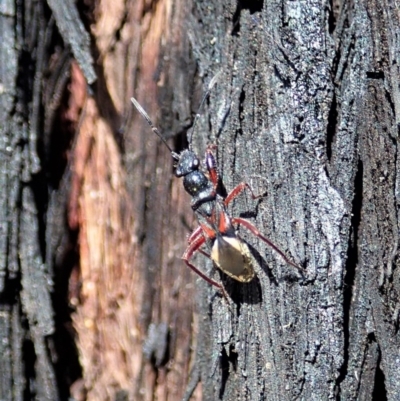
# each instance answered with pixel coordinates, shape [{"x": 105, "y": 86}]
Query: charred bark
[
  {"x": 312, "y": 113},
  {"x": 34, "y": 70},
  {"x": 306, "y": 110}
]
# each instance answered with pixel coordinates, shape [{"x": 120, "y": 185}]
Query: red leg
[
  {"x": 190, "y": 250},
  {"x": 198, "y": 232},
  {"x": 205, "y": 253},
  {"x": 255, "y": 231},
  {"x": 237, "y": 190},
  {"x": 195, "y": 234}
]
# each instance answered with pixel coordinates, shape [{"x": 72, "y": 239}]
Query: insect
[{"x": 216, "y": 228}]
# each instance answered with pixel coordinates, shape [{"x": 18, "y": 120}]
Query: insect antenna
[
  {"x": 153, "y": 128},
  {"x": 205, "y": 96}
]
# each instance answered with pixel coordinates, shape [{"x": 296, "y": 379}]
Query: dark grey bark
[
  {"x": 33, "y": 76},
  {"x": 306, "y": 110}
]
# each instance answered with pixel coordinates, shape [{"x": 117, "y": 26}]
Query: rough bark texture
[
  {"x": 95, "y": 302},
  {"x": 29, "y": 82}
]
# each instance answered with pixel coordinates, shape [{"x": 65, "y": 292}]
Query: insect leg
[
  {"x": 257, "y": 233},
  {"x": 190, "y": 250},
  {"x": 198, "y": 232},
  {"x": 205, "y": 254},
  {"x": 238, "y": 190},
  {"x": 195, "y": 234}
]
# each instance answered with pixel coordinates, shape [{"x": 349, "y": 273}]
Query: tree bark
[
  {"x": 95, "y": 301},
  {"x": 297, "y": 79},
  {"x": 34, "y": 70}
]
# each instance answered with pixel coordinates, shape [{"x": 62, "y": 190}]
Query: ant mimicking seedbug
[{"x": 216, "y": 228}]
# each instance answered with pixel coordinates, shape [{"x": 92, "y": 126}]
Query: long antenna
[
  {"x": 153, "y": 128},
  {"x": 205, "y": 96}
]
